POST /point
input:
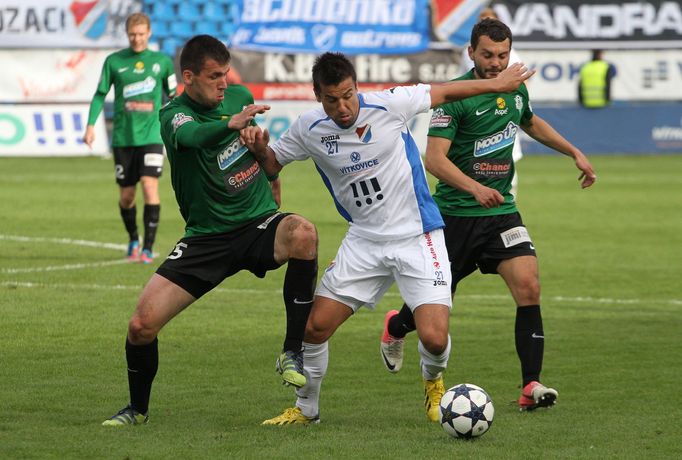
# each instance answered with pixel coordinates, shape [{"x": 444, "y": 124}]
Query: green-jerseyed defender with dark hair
[{"x": 232, "y": 222}]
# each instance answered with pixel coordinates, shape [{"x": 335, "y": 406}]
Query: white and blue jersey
[{"x": 372, "y": 169}]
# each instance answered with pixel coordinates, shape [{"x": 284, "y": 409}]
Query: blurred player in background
[
  {"x": 466, "y": 63},
  {"x": 140, "y": 77},
  {"x": 232, "y": 222},
  {"x": 368, "y": 160},
  {"x": 469, "y": 150}
]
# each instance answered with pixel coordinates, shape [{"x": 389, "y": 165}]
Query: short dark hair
[
  {"x": 496, "y": 30},
  {"x": 200, "y": 48},
  {"x": 331, "y": 69}
]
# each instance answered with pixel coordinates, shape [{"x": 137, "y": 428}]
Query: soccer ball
[{"x": 466, "y": 411}]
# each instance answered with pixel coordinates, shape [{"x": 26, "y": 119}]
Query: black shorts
[
  {"x": 131, "y": 163},
  {"x": 199, "y": 263},
  {"x": 483, "y": 242}
]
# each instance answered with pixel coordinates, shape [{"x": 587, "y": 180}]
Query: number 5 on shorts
[{"x": 177, "y": 252}]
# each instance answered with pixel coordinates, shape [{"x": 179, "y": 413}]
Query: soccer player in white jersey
[{"x": 368, "y": 160}]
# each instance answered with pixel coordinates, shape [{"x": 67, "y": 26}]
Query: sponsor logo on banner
[
  {"x": 360, "y": 26},
  {"x": 48, "y": 130},
  {"x": 593, "y": 23},
  {"x": 60, "y": 24},
  {"x": 453, "y": 19}
]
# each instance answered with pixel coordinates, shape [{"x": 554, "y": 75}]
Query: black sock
[
  {"x": 402, "y": 323},
  {"x": 143, "y": 362},
  {"x": 530, "y": 341},
  {"x": 150, "y": 218},
  {"x": 299, "y": 290},
  {"x": 129, "y": 217}
]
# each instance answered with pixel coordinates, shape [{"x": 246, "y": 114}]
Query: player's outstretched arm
[
  {"x": 256, "y": 140},
  {"x": 508, "y": 80},
  {"x": 543, "y": 132}
]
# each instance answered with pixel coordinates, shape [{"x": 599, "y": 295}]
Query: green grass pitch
[{"x": 610, "y": 264}]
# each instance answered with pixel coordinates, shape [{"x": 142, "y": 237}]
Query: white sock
[
  {"x": 315, "y": 362},
  {"x": 433, "y": 365}
]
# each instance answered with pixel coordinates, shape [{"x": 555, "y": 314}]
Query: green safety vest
[{"x": 593, "y": 84}]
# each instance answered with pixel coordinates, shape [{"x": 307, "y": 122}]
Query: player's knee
[
  {"x": 303, "y": 239},
  {"x": 435, "y": 343},
  {"x": 141, "y": 329},
  {"x": 529, "y": 292},
  {"x": 315, "y": 334}
]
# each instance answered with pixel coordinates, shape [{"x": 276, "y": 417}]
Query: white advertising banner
[
  {"x": 50, "y": 76},
  {"x": 653, "y": 75},
  {"x": 49, "y": 130},
  {"x": 65, "y": 23}
]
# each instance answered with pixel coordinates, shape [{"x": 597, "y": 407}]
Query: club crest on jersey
[
  {"x": 518, "y": 100},
  {"x": 364, "y": 133}
]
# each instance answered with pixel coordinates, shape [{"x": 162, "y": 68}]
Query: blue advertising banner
[
  {"x": 351, "y": 27},
  {"x": 621, "y": 128}
]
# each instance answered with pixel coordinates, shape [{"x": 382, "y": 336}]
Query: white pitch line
[
  {"x": 562, "y": 299},
  {"x": 63, "y": 267},
  {"x": 92, "y": 244},
  {"x": 40, "y": 239}
]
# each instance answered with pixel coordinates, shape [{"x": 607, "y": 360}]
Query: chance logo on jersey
[
  {"x": 241, "y": 179},
  {"x": 492, "y": 168},
  {"x": 497, "y": 141}
]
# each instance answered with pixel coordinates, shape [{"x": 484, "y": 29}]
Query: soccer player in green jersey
[
  {"x": 469, "y": 150},
  {"x": 140, "y": 77},
  {"x": 232, "y": 221}
]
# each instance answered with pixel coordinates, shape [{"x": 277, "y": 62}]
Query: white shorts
[{"x": 364, "y": 270}]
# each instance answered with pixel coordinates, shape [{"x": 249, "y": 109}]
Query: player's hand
[
  {"x": 255, "y": 138},
  {"x": 512, "y": 77},
  {"x": 588, "y": 176},
  {"x": 89, "y": 136},
  {"x": 242, "y": 119},
  {"x": 488, "y": 197}
]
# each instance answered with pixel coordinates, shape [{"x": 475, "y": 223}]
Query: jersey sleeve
[
  {"x": 527, "y": 113},
  {"x": 291, "y": 145},
  {"x": 181, "y": 128},
  {"x": 445, "y": 120},
  {"x": 407, "y": 101},
  {"x": 103, "y": 87},
  {"x": 170, "y": 81}
]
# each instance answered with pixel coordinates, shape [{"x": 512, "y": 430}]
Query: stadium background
[{"x": 52, "y": 51}]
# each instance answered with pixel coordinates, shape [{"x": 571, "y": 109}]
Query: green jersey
[
  {"x": 217, "y": 181},
  {"x": 482, "y": 130},
  {"x": 139, "y": 80}
]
